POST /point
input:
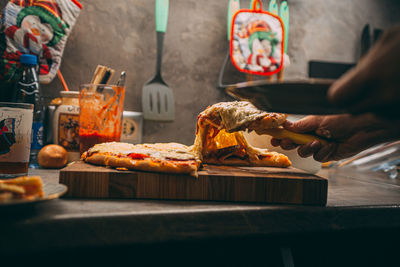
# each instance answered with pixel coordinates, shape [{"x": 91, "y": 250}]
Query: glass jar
[{"x": 66, "y": 124}]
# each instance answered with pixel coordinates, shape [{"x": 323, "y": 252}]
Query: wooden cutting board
[{"x": 217, "y": 183}]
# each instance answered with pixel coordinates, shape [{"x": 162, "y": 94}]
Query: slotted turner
[{"x": 157, "y": 98}]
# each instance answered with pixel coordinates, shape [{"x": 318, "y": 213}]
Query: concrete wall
[{"x": 121, "y": 34}]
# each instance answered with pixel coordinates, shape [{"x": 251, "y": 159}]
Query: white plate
[{"x": 51, "y": 191}]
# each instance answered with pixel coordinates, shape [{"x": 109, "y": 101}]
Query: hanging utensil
[
  {"x": 122, "y": 78},
  {"x": 365, "y": 40},
  {"x": 157, "y": 98},
  {"x": 284, "y": 14},
  {"x": 233, "y": 6},
  {"x": 252, "y": 4},
  {"x": 273, "y": 7}
]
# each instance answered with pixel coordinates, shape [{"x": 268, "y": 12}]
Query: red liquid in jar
[{"x": 86, "y": 141}]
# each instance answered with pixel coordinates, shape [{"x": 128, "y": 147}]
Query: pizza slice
[
  {"x": 242, "y": 115},
  {"x": 219, "y": 139},
  {"x": 158, "y": 157},
  {"x": 239, "y": 116},
  {"x": 24, "y": 187}
]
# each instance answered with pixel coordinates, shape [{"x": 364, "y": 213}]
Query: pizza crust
[{"x": 144, "y": 165}]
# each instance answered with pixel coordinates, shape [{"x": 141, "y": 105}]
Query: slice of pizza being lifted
[{"x": 219, "y": 139}]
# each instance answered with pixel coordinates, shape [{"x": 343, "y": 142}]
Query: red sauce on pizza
[{"x": 138, "y": 156}]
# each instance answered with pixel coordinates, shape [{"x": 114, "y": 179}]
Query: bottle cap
[{"x": 28, "y": 59}]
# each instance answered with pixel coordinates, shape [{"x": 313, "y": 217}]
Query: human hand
[
  {"x": 374, "y": 84},
  {"x": 347, "y": 135}
]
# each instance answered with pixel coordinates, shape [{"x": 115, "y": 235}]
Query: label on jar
[{"x": 68, "y": 131}]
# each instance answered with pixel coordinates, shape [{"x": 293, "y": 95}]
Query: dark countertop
[{"x": 355, "y": 205}]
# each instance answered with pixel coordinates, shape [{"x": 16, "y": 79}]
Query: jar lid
[
  {"x": 16, "y": 105},
  {"x": 69, "y": 93}
]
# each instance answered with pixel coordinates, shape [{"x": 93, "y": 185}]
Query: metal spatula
[{"x": 157, "y": 98}]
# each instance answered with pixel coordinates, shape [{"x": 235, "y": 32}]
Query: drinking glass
[{"x": 15, "y": 138}]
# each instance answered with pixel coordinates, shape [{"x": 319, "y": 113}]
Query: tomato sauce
[
  {"x": 88, "y": 140},
  {"x": 138, "y": 156}
]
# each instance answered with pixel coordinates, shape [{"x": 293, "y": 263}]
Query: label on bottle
[{"x": 37, "y": 135}]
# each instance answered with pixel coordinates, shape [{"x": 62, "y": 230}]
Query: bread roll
[{"x": 52, "y": 156}]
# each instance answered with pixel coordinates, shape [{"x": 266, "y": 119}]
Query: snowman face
[
  {"x": 39, "y": 29},
  {"x": 266, "y": 46},
  {"x": 257, "y": 48}
]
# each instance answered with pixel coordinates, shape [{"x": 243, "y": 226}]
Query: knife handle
[
  {"x": 284, "y": 14},
  {"x": 233, "y": 7},
  {"x": 252, "y": 4},
  {"x": 161, "y": 13},
  {"x": 297, "y": 138}
]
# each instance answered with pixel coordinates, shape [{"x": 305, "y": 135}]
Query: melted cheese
[
  {"x": 172, "y": 151},
  {"x": 236, "y": 115}
]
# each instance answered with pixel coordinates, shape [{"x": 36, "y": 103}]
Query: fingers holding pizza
[{"x": 347, "y": 134}]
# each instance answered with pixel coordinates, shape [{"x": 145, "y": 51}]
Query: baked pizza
[
  {"x": 158, "y": 157},
  {"x": 220, "y": 140},
  {"x": 24, "y": 187}
]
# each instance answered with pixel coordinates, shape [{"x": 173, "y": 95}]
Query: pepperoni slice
[{"x": 138, "y": 156}]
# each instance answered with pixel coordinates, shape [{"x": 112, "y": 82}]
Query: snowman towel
[
  {"x": 257, "y": 41},
  {"x": 37, "y": 27}
]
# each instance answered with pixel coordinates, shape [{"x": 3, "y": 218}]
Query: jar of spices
[{"x": 66, "y": 124}]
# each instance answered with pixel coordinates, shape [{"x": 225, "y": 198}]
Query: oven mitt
[
  {"x": 257, "y": 41},
  {"x": 38, "y": 27}
]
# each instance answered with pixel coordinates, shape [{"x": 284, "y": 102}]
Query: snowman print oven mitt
[{"x": 37, "y": 27}]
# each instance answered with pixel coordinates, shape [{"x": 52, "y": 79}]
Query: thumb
[{"x": 307, "y": 124}]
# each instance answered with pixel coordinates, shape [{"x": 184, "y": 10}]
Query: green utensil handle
[
  {"x": 284, "y": 14},
  {"x": 161, "y": 15},
  {"x": 252, "y": 4},
  {"x": 233, "y": 4},
  {"x": 273, "y": 7},
  {"x": 229, "y": 20}
]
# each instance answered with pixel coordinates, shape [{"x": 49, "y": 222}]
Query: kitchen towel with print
[
  {"x": 257, "y": 41},
  {"x": 37, "y": 27}
]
